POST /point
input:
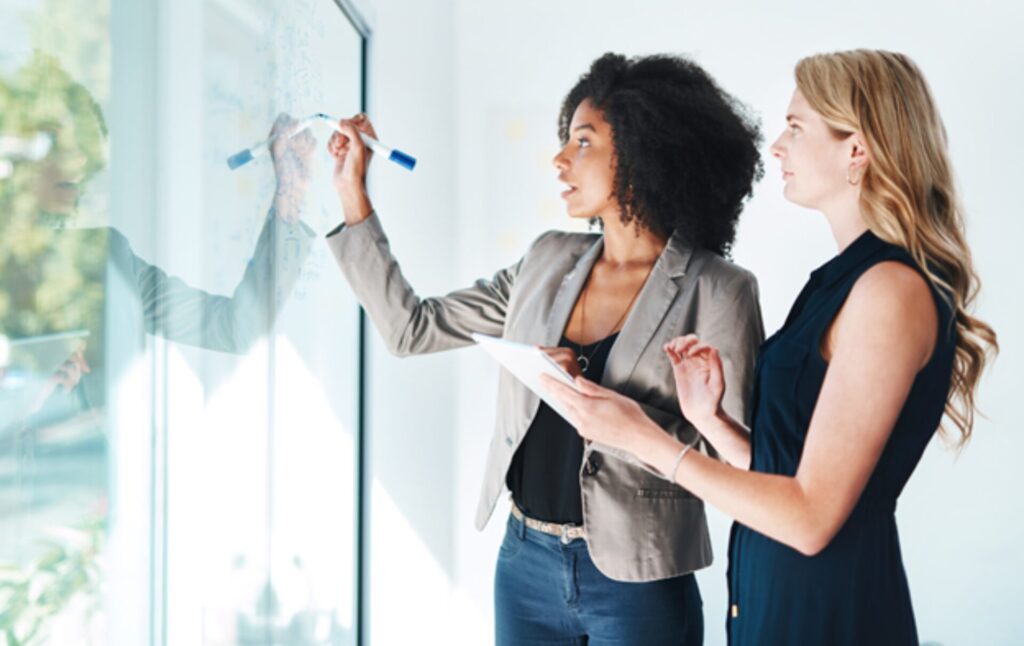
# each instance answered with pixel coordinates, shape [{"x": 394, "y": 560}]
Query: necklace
[{"x": 583, "y": 359}]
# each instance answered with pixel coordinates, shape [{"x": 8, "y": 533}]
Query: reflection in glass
[{"x": 251, "y": 503}]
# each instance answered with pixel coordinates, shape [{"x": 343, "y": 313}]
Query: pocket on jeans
[{"x": 511, "y": 544}]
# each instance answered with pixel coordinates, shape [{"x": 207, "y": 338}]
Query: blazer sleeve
[
  {"x": 732, "y": 324},
  {"x": 408, "y": 323},
  {"x": 185, "y": 314}
]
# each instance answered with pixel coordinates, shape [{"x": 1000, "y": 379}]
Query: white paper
[{"x": 527, "y": 363}]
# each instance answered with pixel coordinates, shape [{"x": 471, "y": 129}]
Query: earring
[{"x": 851, "y": 182}]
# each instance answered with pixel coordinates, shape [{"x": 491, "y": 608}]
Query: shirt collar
[{"x": 848, "y": 259}]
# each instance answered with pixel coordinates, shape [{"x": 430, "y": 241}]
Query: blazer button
[{"x": 509, "y": 441}]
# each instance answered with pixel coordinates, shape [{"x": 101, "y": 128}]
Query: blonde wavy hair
[{"x": 908, "y": 196}]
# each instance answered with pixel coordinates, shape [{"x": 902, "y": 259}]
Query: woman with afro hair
[{"x": 599, "y": 548}]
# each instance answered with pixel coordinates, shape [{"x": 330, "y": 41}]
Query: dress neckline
[{"x": 866, "y": 245}]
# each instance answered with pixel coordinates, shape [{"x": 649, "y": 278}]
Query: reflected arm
[{"x": 185, "y": 314}]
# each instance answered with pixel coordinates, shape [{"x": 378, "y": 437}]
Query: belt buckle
[{"x": 565, "y": 535}]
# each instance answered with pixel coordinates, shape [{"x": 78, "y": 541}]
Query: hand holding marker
[{"x": 243, "y": 157}]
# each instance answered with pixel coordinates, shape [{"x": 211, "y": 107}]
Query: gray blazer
[{"x": 638, "y": 526}]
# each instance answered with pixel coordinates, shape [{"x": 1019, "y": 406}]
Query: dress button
[
  {"x": 592, "y": 465},
  {"x": 509, "y": 441}
]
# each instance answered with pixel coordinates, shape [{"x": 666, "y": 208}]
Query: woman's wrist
[
  {"x": 356, "y": 206},
  {"x": 287, "y": 203},
  {"x": 658, "y": 448},
  {"x": 712, "y": 422}
]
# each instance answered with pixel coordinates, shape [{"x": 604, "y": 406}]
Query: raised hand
[
  {"x": 66, "y": 377},
  {"x": 351, "y": 160},
  {"x": 72, "y": 370},
  {"x": 292, "y": 155},
  {"x": 698, "y": 374}
]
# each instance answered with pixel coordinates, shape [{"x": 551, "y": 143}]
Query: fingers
[
  {"x": 673, "y": 356},
  {"x": 351, "y": 134},
  {"x": 698, "y": 349},
  {"x": 565, "y": 358},
  {"x": 687, "y": 347},
  {"x": 590, "y": 388},
  {"x": 556, "y": 388},
  {"x": 336, "y": 145},
  {"x": 348, "y": 141},
  {"x": 680, "y": 344},
  {"x": 362, "y": 122},
  {"x": 557, "y": 353},
  {"x": 563, "y": 394},
  {"x": 584, "y": 386},
  {"x": 280, "y": 123},
  {"x": 71, "y": 371},
  {"x": 717, "y": 379},
  {"x": 68, "y": 375},
  {"x": 677, "y": 347},
  {"x": 79, "y": 358},
  {"x": 284, "y": 125}
]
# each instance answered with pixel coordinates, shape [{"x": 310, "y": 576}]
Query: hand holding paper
[{"x": 527, "y": 363}]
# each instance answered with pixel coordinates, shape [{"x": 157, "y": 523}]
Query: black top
[
  {"x": 855, "y": 590},
  {"x": 545, "y": 473}
]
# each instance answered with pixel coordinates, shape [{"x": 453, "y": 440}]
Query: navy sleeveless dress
[{"x": 855, "y": 590}]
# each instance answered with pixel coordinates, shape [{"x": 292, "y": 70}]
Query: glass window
[{"x": 178, "y": 355}]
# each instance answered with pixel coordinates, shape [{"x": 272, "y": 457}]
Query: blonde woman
[{"x": 850, "y": 390}]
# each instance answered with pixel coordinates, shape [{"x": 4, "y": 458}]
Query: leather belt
[{"x": 567, "y": 532}]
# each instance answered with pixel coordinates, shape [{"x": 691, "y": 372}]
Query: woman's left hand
[{"x": 601, "y": 415}]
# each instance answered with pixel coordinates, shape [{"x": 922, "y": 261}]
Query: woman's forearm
[
  {"x": 771, "y": 504},
  {"x": 355, "y": 205},
  {"x": 728, "y": 437}
]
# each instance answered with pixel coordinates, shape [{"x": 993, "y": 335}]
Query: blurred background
[{"x": 306, "y": 487}]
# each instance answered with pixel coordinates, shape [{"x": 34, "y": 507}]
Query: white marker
[
  {"x": 261, "y": 148},
  {"x": 392, "y": 154}
]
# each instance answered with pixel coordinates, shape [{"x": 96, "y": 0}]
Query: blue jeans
[{"x": 546, "y": 592}]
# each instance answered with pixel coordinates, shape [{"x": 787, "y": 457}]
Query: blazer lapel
[
  {"x": 568, "y": 292},
  {"x": 650, "y": 308}
]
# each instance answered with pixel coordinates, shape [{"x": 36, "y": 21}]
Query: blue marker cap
[
  {"x": 239, "y": 159},
  {"x": 403, "y": 160}
]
